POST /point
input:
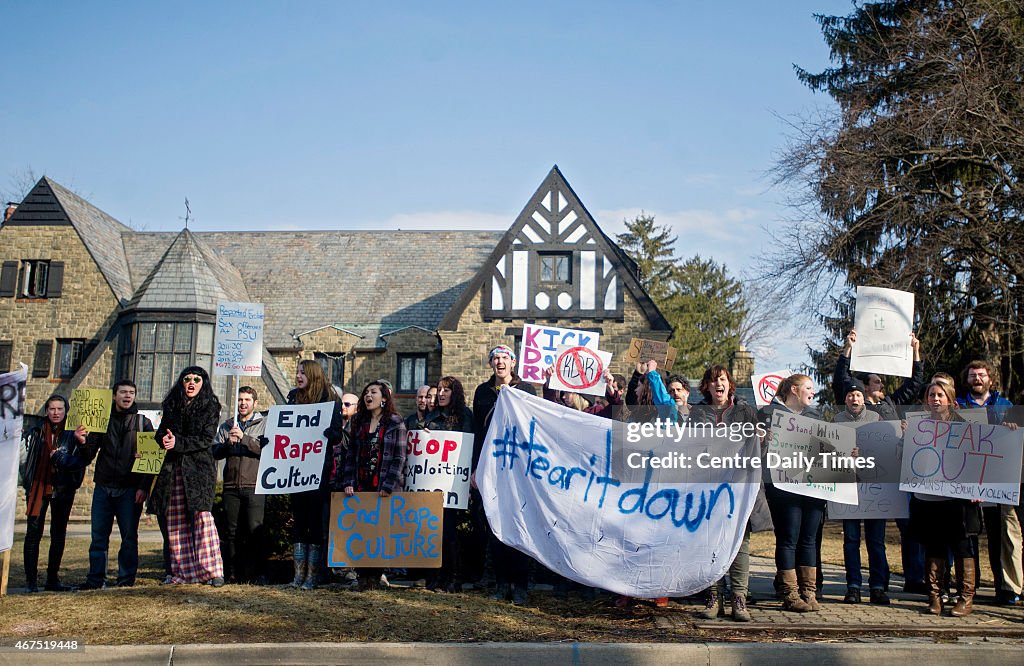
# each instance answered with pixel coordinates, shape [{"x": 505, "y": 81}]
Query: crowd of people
[{"x": 367, "y": 450}]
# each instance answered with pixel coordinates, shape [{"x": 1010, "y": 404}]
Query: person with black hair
[
  {"x": 52, "y": 470},
  {"x": 375, "y": 459},
  {"x": 451, "y": 414},
  {"x": 185, "y": 488},
  {"x": 119, "y": 492}
]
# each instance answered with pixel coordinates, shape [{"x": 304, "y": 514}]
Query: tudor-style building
[{"x": 85, "y": 300}]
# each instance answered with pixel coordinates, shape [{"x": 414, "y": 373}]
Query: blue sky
[{"x": 338, "y": 115}]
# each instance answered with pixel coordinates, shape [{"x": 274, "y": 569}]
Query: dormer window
[{"x": 556, "y": 267}]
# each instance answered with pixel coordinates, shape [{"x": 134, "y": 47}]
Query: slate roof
[
  {"x": 310, "y": 279},
  {"x": 51, "y": 203},
  {"x": 189, "y": 276}
]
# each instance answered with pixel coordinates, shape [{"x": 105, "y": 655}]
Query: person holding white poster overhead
[
  {"x": 453, "y": 415},
  {"x": 875, "y": 398},
  {"x": 184, "y": 490},
  {"x": 797, "y": 518}
]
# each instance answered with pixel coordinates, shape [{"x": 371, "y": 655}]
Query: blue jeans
[
  {"x": 797, "y": 519},
  {"x": 911, "y": 552},
  {"x": 878, "y": 565},
  {"x": 107, "y": 504}
]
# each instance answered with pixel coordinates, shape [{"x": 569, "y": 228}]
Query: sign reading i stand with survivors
[
  {"x": 293, "y": 460},
  {"x": 238, "y": 341}
]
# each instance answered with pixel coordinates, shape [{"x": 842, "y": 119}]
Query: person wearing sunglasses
[{"x": 185, "y": 488}]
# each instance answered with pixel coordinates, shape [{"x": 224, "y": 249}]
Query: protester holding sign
[
  {"x": 797, "y": 518},
  {"x": 376, "y": 454},
  {"x": 857, "y": 414},
  {"x": 311, "y": 508},
  {"x": 119, "y": 493},
  {"x": 944, "y": 524},
  {"x": 451, "y": 414},
  {"x": 238, "y": 444},
  {"x": 720, "y": 405},
  {"x": 185, "y": 488},
  {"x": 53, "y": 470},
  {"x": 511, "y": 567}
]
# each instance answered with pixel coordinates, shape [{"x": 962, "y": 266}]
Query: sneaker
[
  {"x": 216, "y": 582},
  {"x": 879, "y": 597},
  {"x": 1008, "y": 599},
  {"x": 710, "y": 610},
  {"x": 168, "y": 580},
  {"x": 853, "y": 596},
  {"x": 501, "y": 592},
  {"x": 739, "y": 609}
]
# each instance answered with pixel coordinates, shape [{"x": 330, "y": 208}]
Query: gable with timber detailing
[{"x": 555, "y": 262}]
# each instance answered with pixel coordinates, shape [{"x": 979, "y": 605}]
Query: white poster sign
[
  {"x": 293, "y": 460},
  {"x": 12, "y": 411},
  {"x": 878, "y": 492},
  {"x": 565, "y": 488},
  {"x": 440, "y": 460},
  {"x": 238, "y": 340},
  {"x": 580, "y": 370},
  {"x": 767, "y": 384},
  {"x": 961, "y": 459},
  {"x": 537, "y": 351},
  {"x": 884, "y": 320},
  {"x": 812, "y": 458},
  {"x": 974, "y": 415}
]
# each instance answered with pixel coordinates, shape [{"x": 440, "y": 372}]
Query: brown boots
[
  {"x": 808, "y": 577},
  {"x": 964, "y": 567},
  {"x": 935, "y": 577},
  {"x": 790, "y": 591}
]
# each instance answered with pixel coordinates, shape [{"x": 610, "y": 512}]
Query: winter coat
[
  {"x": 738, "y": 412},
  {"x": 435, "y": 420},
  {"x": 484, "y": 400},
  {"x": 908, "y": 392},
  {"x": 115, "y": 450},
  {"x": 69, "y": 459},
  {"x": 194, "y": 428},
  {"x": 242, "y": 459},
  {"x": 392, "y": 464}
]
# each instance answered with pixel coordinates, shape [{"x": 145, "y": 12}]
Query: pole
[{"x": 238, "y": 382}]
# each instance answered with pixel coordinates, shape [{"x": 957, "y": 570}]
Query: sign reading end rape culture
[
  {"x": 238, "y": 340},
  {"x": 400, "y": 530},
  {"x": 440, "y": 460},
  {"x": 605, "y": 505},
  {"x": 973, "y": 461},
  {"x": 813, "y": 458},
  {"x": 293, "y": 459},
  {"x": 537, "y": 352}
]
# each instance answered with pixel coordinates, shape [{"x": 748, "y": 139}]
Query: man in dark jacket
[
  {"x": 238, "y": 444},
  {"x": 511, "y": 567},
  {"x": 119, "y": 492}
]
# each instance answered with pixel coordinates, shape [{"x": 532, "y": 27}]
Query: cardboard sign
[
  {"x": 812, "y": 458},
  {"x": 238, "y": 341},
  {"x": 91, "y": 408},
  {"x": 293, "y": 461},
  {"x": 961, "y": 459},
  {"x": 884, "y": 319},
  {"x": 580, "y": 369},
  {"x": 642, "y": 350},
  {"x": 537, "y": 351},
  {"x": 440, "y": 460},
  {"x": 12, "y": 414},
  {"x": 151, "y": 454},
  {"x": 878, "y": 494},
  {"x": 767, "y": 384},
  {"x": 401, "y": 530}
]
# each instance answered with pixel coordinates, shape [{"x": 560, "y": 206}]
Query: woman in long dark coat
[{"x": 185, "y": 488}]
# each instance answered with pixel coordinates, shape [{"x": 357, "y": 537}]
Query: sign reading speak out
[
  {"x": 91, "y": 408},
  {"x": 400, "y": 530},
  {"x": 580, "y": 369},
  {"x": 151, "y": 454}
]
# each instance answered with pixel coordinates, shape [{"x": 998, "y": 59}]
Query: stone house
[{"x": 85, "y": 300}]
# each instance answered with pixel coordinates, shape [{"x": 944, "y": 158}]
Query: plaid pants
[{"x": 195, "y": 546}]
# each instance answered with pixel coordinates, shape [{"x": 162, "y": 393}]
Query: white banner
[
  {"x": 440, "y": 460},
  {"x": 293, "y": 460},
  {"x": 580, "y": 369},
  {"x": 540, "y": 342},
  {"x": 884, "y": 319},
  {"x": 563, "y": 487},
  {"x": 238, "y": 341},
  {"x": 812, "y": 458},
  {"x": 961, "y": 459},
  {"x": 878, "y": 492},
  {"x": 767, "y": 384},
  {"x": 12, "y": 411}
]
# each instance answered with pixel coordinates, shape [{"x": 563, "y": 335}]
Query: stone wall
[{"x": 85, "y": 305}]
